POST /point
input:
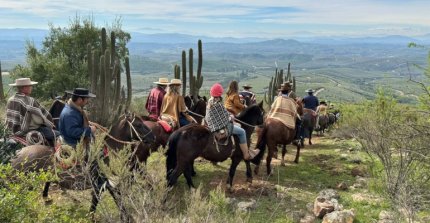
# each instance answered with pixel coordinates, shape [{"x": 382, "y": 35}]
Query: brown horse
[
  {"x": 276, "y": 133},
  {"x": 197, "y": 108},
  {"x": 309, "y": 122},
  {"x": 192, "y": 141},
  {"x": 129, "y": 128}
]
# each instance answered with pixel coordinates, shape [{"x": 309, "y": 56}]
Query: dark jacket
[
  {"x": 72, "y": 125},
  {"x": 311, "y": 102}
]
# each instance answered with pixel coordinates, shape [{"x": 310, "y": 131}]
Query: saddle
[
  {"x": 169, "y": 120},
  {"x": 221, "y": 136},
  {"x": 166, "y": 126}
]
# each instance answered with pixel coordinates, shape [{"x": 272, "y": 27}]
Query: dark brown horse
[
  {"x": 192, "y": 141},
  {"x": 197, "y": 108},
  {"x": 276, "y": 133},
  {"x": 309, "y": 122},
  {"x": 129, "y": 129}
]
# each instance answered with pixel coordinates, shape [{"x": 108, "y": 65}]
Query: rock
[
  {"x": 342, "y": 186},
  {"x": 386, "y": 217},
  {"x": 310, "y": 207},
  {"x": 337, "y": 150},
  {"x": 329, "y": 194},
  {"x": 308, "y": 219},
  {"x": 360, "y": 182},
  {"x": 345, "y": 216},
  {"x": 322, "y": 206},
  {"x": 344, "y": 156},
  {"x": 357, "y": 171},
  {"x": 247, "y": 205}
]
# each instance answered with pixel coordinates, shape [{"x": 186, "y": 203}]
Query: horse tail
[
  {"x": 171, "y": 157},
  {"x": 261, "y": 144}
]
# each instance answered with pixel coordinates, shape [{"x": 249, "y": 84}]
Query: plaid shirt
[
  {"x": 217, "y": 117},
  {"x": 154, "y": 101},
  {"x": 20, "y": 109}
]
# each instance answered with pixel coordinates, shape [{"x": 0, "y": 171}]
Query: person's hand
[{"x": 93, "y": 129}]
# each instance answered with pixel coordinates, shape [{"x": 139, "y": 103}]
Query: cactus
[
  {"x": 274, "y": 85},
  {"x": 177, "y": 74},
  {"x": 105, "y": 74},
  {"x": 2, "y": 97},
  {"x": 184, "y": 73},
  {"x": 196, "y": 82}
]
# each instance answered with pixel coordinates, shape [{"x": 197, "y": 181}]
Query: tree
[{"x": 61, "y": 64}]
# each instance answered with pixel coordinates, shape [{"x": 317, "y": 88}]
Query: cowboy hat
[
  {"x": 285, "y": 86},
  {"x": 247, "y": 86},
  {"x": 175, "y": 82},
  {"x": 81, "y": 92},
  {"x": 309, "y": 91},
  {"x": 162, "y": 81},
  {"x": 23, "y": 82}
]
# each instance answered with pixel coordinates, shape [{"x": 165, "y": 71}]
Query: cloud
[{"x": 237, "y": 16}]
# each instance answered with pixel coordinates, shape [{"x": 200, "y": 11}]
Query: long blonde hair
[
  {"x": 174, "y": 89},
  {"x": 233, "y": 88}
]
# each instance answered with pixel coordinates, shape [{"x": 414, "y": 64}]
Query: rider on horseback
[
  {"x": 247, "y": 95},
  {"x": 74, "y": 122},
  {"x": 321, "y": 110},
  {"x": 232, "y": 102},
  {"x": 25, "y": 114},
  {"x": 173, "y": 108},
  {"x": 218, "y": 119},
  {"x": 286, "y": 91},
  {"x": 155, "y": 98}
]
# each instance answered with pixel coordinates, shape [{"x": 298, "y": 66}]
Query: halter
[{"x": 135, "y": 131}]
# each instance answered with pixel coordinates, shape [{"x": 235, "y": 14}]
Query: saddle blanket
[{"x": 285, "y": 110}]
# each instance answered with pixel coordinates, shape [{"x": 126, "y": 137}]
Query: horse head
[
  {"x": 136, "y": 129},
  {"x": 299, "y": 102},
  {"x": 253, "y": 114}
]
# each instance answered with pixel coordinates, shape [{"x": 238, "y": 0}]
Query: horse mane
[{"x": 247, "y": 110}]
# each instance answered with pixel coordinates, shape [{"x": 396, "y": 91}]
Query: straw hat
[
  {"x": 162, "y": 81},
  {"x": 23, "y": 82},
  {"x": 81, "y": 92},
  {"x": 309, "y": 91},
  {"x": 175, "y": 82},
  {"x": 247, "y": 86}
]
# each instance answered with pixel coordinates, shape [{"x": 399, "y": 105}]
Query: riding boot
[{"x": 248, "y": 154}]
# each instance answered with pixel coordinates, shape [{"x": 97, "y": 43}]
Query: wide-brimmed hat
[
  {"x": 310, "y": 91},
  {"x": 247, "y": 86},
  {"x": 285, "y": 86},
  {"x": 81, "y": 92},
  {"x": 162, "y": 81},
  {"x": 23, "y": 82},
  {"x": 175, "y": 82}
]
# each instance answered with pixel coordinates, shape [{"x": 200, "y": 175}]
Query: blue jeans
[
  {"x": 240, "y": 133},
  {"x": 183, "y": 121}
]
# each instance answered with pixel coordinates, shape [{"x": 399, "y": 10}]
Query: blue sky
[{"x": 234, "y": 18}]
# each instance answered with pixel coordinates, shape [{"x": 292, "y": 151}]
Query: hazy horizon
[{"x": 232, "y": 18}]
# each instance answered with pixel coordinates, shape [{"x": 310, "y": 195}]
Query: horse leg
[
  {"x": 234, "y": 163},
  {"x": 172, "y": 178},
  {"x": 248, "y": 172},
  {"x": 193, "y": 172},
  {"x": 116, "y": 195},
  {"x": 257, "y": 169},
  {"x": 296, "y": 160},
  {"x": 188, "y": 175},
  {"x": 269, "y": 158},
  {"x": 46, "y": 189},
  {"x": 310, "y": 136},
  {"x": 98, "y": 180},
  {"x": 284, "y": 151}
]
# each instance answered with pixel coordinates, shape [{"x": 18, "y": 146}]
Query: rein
[
  {"x": 196, "y": 114},
  {"x": 244, "y": 123},
  {"x": 105, "y": 130}
]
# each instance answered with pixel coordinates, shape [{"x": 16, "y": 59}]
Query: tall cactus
[
  {"x": 184, "y": 73},
  {"x": 105, "y": 74},
  {"x": 274, "y": 85},
  {"x": 190, "y": 67},
  {"x": 177, "y": 71},
  {"x": 2, "y": 96},
  {"x": 196, "y": 82}
]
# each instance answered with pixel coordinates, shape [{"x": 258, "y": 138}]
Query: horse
[
  {"x": 192, "y": 141},
  {"x": 275, "y": 132},
  {"x": 128, "y": 129},
  {"x": 308, "y": 125},
  {"x": 323, "y": 121},
  {"x": 197, "y": 109}
]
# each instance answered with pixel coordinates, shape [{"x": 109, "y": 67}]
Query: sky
[{"x": 231, "y": 18}]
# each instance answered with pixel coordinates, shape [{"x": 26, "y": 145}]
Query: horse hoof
[
  {"x": 229, "y": 188},
  {"x": 48, "y": 200},
  {"x": 296, "y": 161}
]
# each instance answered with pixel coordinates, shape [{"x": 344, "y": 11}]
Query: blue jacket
[
  {"x": 311, "y": 102},
  {"x": 72, "y": 125}
]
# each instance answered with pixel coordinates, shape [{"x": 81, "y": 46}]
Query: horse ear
[
  {"x": 205, "y": 99},
  {"x": 260, "y": 104}
]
